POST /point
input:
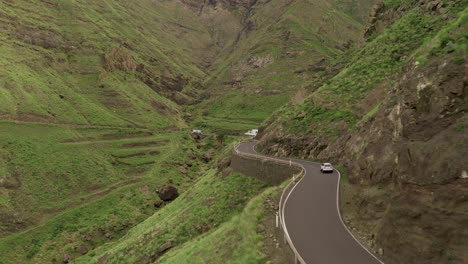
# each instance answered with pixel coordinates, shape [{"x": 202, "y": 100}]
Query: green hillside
[
  {"x": 355, "y": 94},
  {"x": 393, "y": 121},
  {"x": 100, "y": 63},
  {"x": 97, "y": 100},
  {"x": 275, "y": 56}
]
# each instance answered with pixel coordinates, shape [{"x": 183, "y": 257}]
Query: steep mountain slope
[
  {"x": 96, "y": 98},
  {"x": 283, "y": 47},
  {"x": 92, "y": 100},
  {"x": 100, "y": 62},
  {"x": 395, "y": 118},
  {"x": 89, "y": 94}
]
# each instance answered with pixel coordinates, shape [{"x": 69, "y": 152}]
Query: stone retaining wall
[{"x": 263, "y": 170}]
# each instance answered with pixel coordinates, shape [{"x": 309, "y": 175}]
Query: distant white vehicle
[
  {"x": 252, "y": 132},
  {"x": 326, "y": 167},
  {"x": 197, "y": 131}
]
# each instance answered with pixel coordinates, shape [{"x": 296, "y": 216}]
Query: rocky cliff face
[
  {"x": 381, "y": 16},
  {"x": 417, "y": 136},
  {"x": 405, "y": 158}
]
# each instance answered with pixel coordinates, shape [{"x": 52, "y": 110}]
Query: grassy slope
[
  {"x": 52, "y": 64},
  {"x": 210, "y": 202},
  {"x": 235, "y": 241},
  {"x": 81, "y": 193},
  {"x": 353, "y": 94},
  {"x": 94, "y": 194},
  {"x": 293, "y": 36},
  {"x": 57, "y": 195}
]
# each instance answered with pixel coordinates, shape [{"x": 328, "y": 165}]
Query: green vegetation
[
  {"x": 256, "y": 109},
  {"x": 344, "y": 179},
  {"x": 452, "y": 39},
  {"x": 394, "y": 4},
  {"x": 379, "y": 60},
  {"x": 341, "y": 102},
  {"x": 53, "y": 68},
  {"x": 267, "y": 67},
  {"x": 303, "y": 118},
  {"x": 96, "y": 98},
  {"x": 79, "y": 187},
  {"x": 235, "y": 241},
  {"x": 370, "y": 115},
  {"x": 210, "y": 202}
]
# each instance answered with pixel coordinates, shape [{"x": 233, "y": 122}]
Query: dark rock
[
  {"x": 67, "y": 258},
  {"x": 168, "y": 193},
  {"x": 195, "y": 135},
  {"x": 158, "y": 204},
  {"x": 87, "y": 237},
  {"x": 166, "y": 246},
  {"x": 108, "y": 235},
  {"x": 224, "y": 163},
  {"x": 207, "y": 158},
  {"x": 82, "y": 249}
]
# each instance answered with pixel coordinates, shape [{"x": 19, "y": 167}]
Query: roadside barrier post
[
  {"x": 280, "y": 213},
  {"x": 277, "y": 218}
]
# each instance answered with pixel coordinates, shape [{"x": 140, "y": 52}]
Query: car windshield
[{"x": 327, "y": 164}]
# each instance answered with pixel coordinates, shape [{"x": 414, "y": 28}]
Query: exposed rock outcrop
[
  {"x": 168, "y": 193},
  {"x": 406, "y": 161},
  {"x": 119, "y": 58}
]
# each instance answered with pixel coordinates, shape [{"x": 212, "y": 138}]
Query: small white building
[
  {"x": 197, "y": 131},
  {"x": 252, "y": 133}
]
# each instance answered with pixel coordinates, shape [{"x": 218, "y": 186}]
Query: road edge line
[
  {"x": 285, "y": 228},
  {"x": 343, "y": 223}
]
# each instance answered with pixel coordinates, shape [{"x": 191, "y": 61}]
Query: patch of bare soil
[
  {"x": 153, "y": 152},
  {"x": 10, "y": 222},
  {"x": 77, "y": 140},
  {"x": 112, "y": 98},
  {"x": 109, "y": 137},
  {"x": 138, "y": 154},
  {"x": 127, "y": 135},
  {"x": 16, "y": 222},
  {"x": 24, "y": 117},
  {"x": 143, "y": 144},
  {"x": 136, "y": 171},
  {"x": 162, "y": 108},
  {"x": 12, "y": 181},
  {"x": 120, "y": 162},
  {"x": 171, "y": 128},
  {"x": 119, "y": 58}
]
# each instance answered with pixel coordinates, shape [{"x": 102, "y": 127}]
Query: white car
[{"x": 326, "y": 167}]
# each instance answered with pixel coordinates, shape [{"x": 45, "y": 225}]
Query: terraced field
[{"x": 88, "y": 184}]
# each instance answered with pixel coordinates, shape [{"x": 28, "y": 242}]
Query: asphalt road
[{"x": 313, "y": 221}]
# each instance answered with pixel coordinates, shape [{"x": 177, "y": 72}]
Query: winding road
[{"x": 313, "y": 221}]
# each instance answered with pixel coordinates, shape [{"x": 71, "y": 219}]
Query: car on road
[{"x": 326, "y": 167}]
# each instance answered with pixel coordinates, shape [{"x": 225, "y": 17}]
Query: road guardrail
[{"x": 284, "y": 195}]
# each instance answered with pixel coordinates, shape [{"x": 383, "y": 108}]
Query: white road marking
[
  {"x": 298, "y": 162},
  {"x": 341, "y": 219}
]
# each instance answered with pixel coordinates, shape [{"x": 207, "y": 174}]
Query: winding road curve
[{"x": 313, "y": 221}]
